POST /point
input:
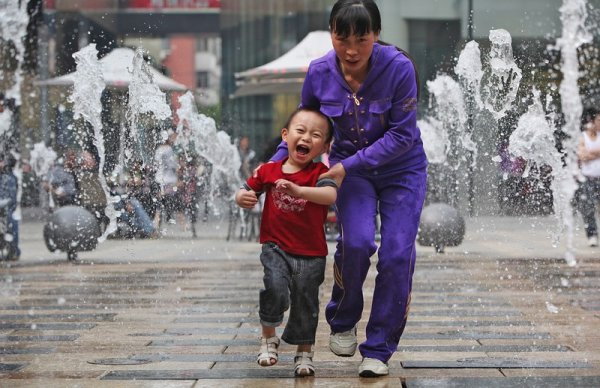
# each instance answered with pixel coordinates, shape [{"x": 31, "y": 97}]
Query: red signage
[{"x": 174, "y": 4}]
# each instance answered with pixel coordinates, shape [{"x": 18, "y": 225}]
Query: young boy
[{"x": 293, "y": 237}]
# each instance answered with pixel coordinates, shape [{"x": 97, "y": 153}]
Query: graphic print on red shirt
[{"x": 294, "y": 224}]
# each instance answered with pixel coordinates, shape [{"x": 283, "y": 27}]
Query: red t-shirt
[{"x": 294, "y": 224}]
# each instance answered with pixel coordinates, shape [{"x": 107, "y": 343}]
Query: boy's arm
[{"x": 324, "y": 193}]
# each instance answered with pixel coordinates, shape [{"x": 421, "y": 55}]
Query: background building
[
  {"x": 253, "y": 33},
  {"x": 180, "y": 37}
]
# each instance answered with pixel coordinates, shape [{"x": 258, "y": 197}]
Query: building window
[{"x": 202, "y": 79}]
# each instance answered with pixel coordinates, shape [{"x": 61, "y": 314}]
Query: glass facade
[
  {"x": 255, "y": 32},
  {"x": 433, "y": 46}
]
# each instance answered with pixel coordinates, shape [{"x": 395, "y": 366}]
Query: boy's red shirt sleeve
[{"x": 256, "y": 182}]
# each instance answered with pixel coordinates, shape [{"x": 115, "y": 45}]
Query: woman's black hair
[
  {"x": 314, "y": 110},
  {"x": 357, "y": 17},
  {"x": 589, "y": 115}
]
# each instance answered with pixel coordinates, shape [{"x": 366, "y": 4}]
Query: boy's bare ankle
[
  {"x": 268, "y": 332},
  {"x": 304, "y": 348}
]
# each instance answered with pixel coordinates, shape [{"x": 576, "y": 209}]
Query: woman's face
[
  {"x": 596, "y": 123},
  {"x": 354, "y": 52}
]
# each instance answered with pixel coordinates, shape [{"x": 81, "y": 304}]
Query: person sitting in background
[
  {"x": 141, "y": 185},
  {"x": 60, "y": 182},
  {"x": 133, "y": 220},
  {"x": 90, "y": 193}
]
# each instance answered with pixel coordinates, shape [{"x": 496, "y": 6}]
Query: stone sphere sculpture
[
  {"x": 71, "y": 229},
  {"x": 441, "y": 226}
]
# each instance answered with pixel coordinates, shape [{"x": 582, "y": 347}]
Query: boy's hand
[
  {"x": 288, "y": 187},
  {"x": 246, "y": 199}
]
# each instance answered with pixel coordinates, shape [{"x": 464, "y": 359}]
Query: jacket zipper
[{"x": 356, "y": 119}]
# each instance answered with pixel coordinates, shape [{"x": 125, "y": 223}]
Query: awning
[
  {"x": 286, "y": 73},
  {"x": 116, "y": 67}
]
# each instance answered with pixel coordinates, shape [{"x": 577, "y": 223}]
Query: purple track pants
[{"x": 400, "y": 200}]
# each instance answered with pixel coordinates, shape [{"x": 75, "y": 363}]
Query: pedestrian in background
[
  {"x": 588, "y": 152},
  {"x": 8, "y": 199},
  {"x": 166, "y": 164},
  {"x": 370, "y": 91},
  {"x": 247, "y": 158}
]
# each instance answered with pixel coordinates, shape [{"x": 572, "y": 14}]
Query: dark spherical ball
[
  {"x": 71, "y": 229},
  {"x": 441, "y": 226}
]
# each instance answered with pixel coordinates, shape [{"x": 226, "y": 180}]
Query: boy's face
[{"x": 306, "y": 137}]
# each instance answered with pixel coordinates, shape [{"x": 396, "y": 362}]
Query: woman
[{"x": 370, "y": 92}]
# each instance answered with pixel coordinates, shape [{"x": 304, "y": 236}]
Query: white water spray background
[
  {"x": 501, "y": 82},
  {"x": 88, "y": 85},
  {"x": 196, "y": 132},
  {"x": 145, "y": 97},
  {"x": 13, "y": 23},
  {"x": 199, "y": 133},
  {"x": 494, "y": 90},
  {"x": 575, "y": 32}
]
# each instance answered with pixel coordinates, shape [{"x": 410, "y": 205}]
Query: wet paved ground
[{"x": 503, "y": 309}]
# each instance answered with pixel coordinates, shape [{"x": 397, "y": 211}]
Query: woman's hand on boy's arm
[
  {"x": 337, "y": 173},
  {"x": 246, "y": 199}
]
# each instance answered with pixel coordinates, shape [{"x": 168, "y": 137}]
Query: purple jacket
[{"x": 376, "y": 129}]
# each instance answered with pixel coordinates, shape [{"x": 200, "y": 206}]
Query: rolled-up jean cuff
[{"x": 270, "y": 324}]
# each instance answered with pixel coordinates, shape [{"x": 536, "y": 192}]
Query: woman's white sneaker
[
  {"x": 343, "y": 344},
  {"x": 372, "y": 367}
]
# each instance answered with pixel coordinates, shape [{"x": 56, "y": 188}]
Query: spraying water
[
  {"x": 502, "y": 78},
  {"x": 494, "y": 89},
  {"x": 86, "y": 98},
  {"x": 470, "y": 72},
  {"x": 144, "y": 98},
  {"x": 533, "y": 140},
  {"x": 13, "y": 24},
  {"x": 573, "y": 15},
  {"x": 199, "y": 133}
]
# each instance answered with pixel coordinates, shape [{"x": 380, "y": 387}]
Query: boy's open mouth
[{"x": 302, "y": 149}]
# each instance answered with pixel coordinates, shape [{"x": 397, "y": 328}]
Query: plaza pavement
[{"x": 501, "y": 310}]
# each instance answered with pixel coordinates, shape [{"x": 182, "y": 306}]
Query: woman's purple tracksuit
[{"x": 377, "y": 141}]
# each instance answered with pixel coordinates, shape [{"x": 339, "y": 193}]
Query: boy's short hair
[{"x": 317, "y": 111}]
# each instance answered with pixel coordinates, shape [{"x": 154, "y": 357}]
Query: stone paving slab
[
  {"x": 95, "y": 383},
  {"x": 181, "y": 312},
  {"x": 525, "y": 382}
]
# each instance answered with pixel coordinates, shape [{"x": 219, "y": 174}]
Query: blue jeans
[
  {"x": 293, "y": 282},
  {"x": 588, "y": 197},
  {"x": 138, "y": 219},
  {"x": 13, "y": 227}
]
